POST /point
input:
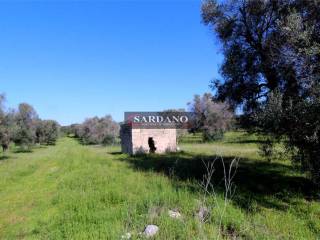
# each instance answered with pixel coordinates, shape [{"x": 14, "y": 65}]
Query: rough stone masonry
[{"x": 140, "y": 140}]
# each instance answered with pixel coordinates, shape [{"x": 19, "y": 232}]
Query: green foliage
[
  {"x": 25, "y": 128},
  {"x": 6, "y": 125},
  {"x": 97, "y": 130},
  {"x": 267, "y": 45},
  {"x": 272, "y": 69},
  {"x": 25, "y": 120},
  {"x": 212, "y": 135},
  {"x": 297, "y": 124},
  {"x": 108, "y": 139},
  {"x": 47, "y": 132},
  {"x": 267, "y": 149}
]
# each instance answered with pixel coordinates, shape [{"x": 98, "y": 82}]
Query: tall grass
[{"x": 71, "y": 191}]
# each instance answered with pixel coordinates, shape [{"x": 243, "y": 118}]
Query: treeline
[
  {"x": 95, "y": 130},
  {"x": 211, "y": 118},
  {"x": 23, "y": 127}
]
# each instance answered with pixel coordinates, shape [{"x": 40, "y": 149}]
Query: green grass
[{"x": 71, "y": 191}]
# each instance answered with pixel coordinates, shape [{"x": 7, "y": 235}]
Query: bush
[
  {"x": 98, "y": 130},
  {"x": 47, "y": 132},
  {"x": 297, "y": 124}
]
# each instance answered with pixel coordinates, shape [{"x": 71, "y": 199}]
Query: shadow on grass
[
  {"x": 81, "y": 142},
  {"x": 253, "y": 141},
  {"x": 4, "y": 157},
  {"x": 22, "y": 150},
  {"x": 256, "y": 181},
  {"x": 115, "y": 153}
]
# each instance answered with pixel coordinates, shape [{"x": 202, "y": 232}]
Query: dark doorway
[{"x": 152, "y": 147}]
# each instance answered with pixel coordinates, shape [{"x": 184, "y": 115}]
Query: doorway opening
[{"x": 152, "y": 147}]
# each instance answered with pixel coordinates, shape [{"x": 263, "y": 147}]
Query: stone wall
[
  {"x": 137, "y": 140},
  {"x": 126, "y": 139},
  {"x": 164, "y": 139}
]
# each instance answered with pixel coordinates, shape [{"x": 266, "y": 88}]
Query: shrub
[
  {"x": 297, "y": 124},
  {"x": 47, "y": 131},
  {"x": 98, "y": 130}
]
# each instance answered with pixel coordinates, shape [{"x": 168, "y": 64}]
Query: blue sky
[{"x": 73, "y": 60}]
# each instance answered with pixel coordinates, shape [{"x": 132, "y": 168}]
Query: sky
[{"x": 76, "y": 59}]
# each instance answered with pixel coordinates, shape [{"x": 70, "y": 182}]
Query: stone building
[{"x": 141, "y": 140}]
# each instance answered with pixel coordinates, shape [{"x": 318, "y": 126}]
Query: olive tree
[
  {"x": 25, "y": 120},
  {"x": 98, "y": 130},
  {"x": 3, "y": 126},
  {"x": 211, "y": 117},
  {"x": 47, "y": 132},
  {"x": 271, "y": 69},
  {"x": 6, "y": 125}
]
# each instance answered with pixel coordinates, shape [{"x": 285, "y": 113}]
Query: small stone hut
[{"x": 141, "y": 140}]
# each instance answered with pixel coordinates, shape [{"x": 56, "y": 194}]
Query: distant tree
[
  {"x": 7, "y": 129},
  {"x": 2, "y": 110},
  {"x": 98, "y": 130},
  {"x": 47, "y": 131},
  {"x": 272, "y": 69},
  {"x": 197, "y": 108},
  {"x": 109, "y": 128},
  {"x": 212, "y": 118},
  {"x": 4, "y": 126},
  {"x": 24, "y": 127},
  {"x": 73, "y": 130},
  {"x": 65, "y": 130},
  {"x": 7, "y": 125},
  {"x": 25, "y": 120}
]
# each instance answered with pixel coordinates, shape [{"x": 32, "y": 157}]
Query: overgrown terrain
[{"x": 71, "y": 191}]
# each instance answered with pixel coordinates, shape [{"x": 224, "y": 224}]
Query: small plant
[
  {"x": 266, "y": 149},
  {"x": 208, "y": 187}
]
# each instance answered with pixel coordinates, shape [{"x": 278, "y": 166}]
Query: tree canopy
[
  {"x": 267, "y": 45},
  {"x": 24, "y": 127},
  {"x": 271, "y": 69}
]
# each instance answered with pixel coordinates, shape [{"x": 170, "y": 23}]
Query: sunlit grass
[{"x": 71, "y": 191}]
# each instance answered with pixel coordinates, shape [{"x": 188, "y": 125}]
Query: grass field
[{"x": 71, "y": 191}]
